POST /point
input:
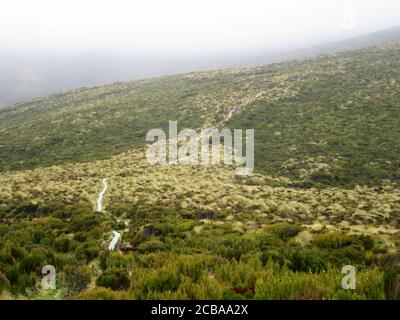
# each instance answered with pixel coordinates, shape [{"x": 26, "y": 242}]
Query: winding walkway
[
  {"x": 114, "y": 241},
  {"x": 99, "y": 208},
  {"x": 101, "y": 195}
]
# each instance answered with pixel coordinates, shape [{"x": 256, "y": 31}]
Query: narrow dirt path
[
  {"x": 114, "y": 241},
  {"x": 99, "y": 208},
  {"x": 99, "y": 203}
]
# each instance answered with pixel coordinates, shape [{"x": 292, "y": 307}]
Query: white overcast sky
[{"x": 187, "y": 25}]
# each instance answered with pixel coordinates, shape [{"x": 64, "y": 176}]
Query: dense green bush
[
  {"x": 327, "y": 285},
  {"x": 115, "y": 279},
  {"x": 285, "y": 230},
  {"x": 32, "y": 263},
  {"x": 87, "y": 251},
  {"x": 307, "y": 262},
  {"x": 332, "y": 240},
  {"x": 392, "y": 283},
  {"x": 4, "y": 283},
  {"x": 63, "y": 245},
  {"x": 17, "y": 252},
  {"x": 6, "y": 259},
  {"x": 75, "y": 278}
]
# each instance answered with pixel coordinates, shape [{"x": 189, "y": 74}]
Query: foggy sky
[{"x": 50, "y": 45}]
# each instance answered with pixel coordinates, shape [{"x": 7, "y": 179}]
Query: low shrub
[{"x": 115, "y": 279}]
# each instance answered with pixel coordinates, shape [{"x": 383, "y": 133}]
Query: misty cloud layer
[{"x": 47, "y": 46}]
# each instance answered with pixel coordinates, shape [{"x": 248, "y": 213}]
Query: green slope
[
  {"x": 88, "y": 124},
  {"x": 342, "y": 128},
  {"x": 203, "y": 233},
  {"x": 331, "y": 120}
]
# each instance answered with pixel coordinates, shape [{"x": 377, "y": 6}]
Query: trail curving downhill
[
  {"x": 99, "y": 206},
  {"x": 114, "y": 241}
]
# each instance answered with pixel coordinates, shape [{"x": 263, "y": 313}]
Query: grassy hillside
[
  {"x": 327, "y": 121},
  {"x": 90, "y": 124},
  {"x": 223, "y": 237},
  {"x": 341, "y": 128},
  {"x": 325, "y": 193}
]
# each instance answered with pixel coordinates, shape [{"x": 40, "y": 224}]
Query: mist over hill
[
  {"x": 29, "y": 73},
  {"x": 391, "y": 35}
]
